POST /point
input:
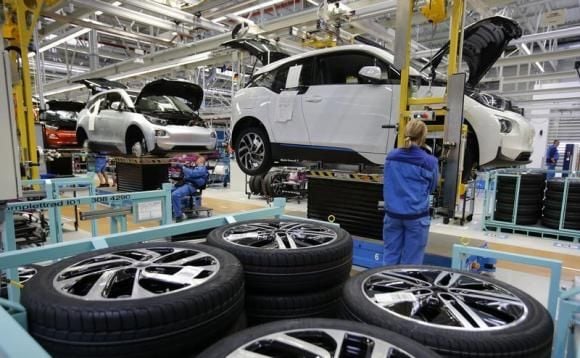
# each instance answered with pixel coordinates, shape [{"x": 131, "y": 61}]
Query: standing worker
[
  {"x": 100, "y": 168},
  {"x": 552, "y": 157},
  {"x": 410, "y": 177},
  {"x": 193, "y": 179}
]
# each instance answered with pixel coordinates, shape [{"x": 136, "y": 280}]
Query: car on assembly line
[
  {"x": 59, "y": 122},
  {"x": 162, "y": 118},
  {"x": 340, "y": 105}
]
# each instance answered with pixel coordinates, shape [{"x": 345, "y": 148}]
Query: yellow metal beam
[
  {"x": 426, "y": 101},
  {"x": 22, "y": 16},
  {"x": 404, "y": 95}
]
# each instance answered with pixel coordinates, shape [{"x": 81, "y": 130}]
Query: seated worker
[
  {"x": 100, "y": 167},
  {"x": 193, "y": 179}
]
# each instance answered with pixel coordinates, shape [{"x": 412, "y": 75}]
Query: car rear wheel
[{"x": 253, "y": 151}]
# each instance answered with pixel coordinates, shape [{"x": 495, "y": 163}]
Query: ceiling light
[
  {"x": 55, "y": 43},
  {"x": 117, "y": 3},
  {"x": 176, "y": 63},
  {"x": 98, "y": 13},
  {"x": 312, "y": 2},
  {"x": 540, "y": 67},
  {"x": 526, "y": 49},
  {"x": 251, "y": 9}
]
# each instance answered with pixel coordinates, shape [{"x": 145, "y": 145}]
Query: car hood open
[
  {"x": 97, "y": 85},
  {"x": 188, "y": 91},
  {"x": 262, "y": 49},
  {"x": 68, "y": 106},
  {"x": 483, "y": 44}
]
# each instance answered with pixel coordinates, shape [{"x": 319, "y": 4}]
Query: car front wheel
[{"x": 253, "y": 151}]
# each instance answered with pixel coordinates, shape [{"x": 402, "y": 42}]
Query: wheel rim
[
  {"x": 277, "y": 184},
  {"x": 251, "y": 150},
  {"x": 136, "y": 273},
  {"x": 318, "y": 342},
  {"x": 444, "y": 299},
  {"x": 24, "y": 274},
  {"x": 280, "y": 235},
  {"x": 137, "y": 149}
]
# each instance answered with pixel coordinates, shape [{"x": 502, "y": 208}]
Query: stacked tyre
[
  {"x": 273, "y": 184},
  {"x": 555, "y": 200},
  {"x": 455, "y": 313},
  {"x": 256, "y": 183},
  {"x": 143, "y": 300},
  {"x": 293, "y": 269},
  {"x": 531, "y": 193}
]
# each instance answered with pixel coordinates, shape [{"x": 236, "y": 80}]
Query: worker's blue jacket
[
  {"x": 410, "y": 176},
  {"x": 196, "y": 176}
]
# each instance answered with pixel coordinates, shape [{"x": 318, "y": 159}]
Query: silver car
[{"x": 162, "y": 118}]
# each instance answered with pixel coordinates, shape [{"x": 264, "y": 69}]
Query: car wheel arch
[
  {"x": 246, "y": 122},
  {"x": 133, "y": 131}
]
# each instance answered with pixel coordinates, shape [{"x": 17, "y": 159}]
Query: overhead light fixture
[
  {"x": 176, "y": 63},
  {"x": 117, "y": 3},
  {"x": 528, "y": 52},
  {"x": 55, "y": 43},
  {"x": 312, "y": 2},
  {"x": 250, "y": 9},
  {"x": 98, "y": 13}
]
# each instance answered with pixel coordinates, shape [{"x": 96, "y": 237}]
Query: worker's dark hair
[
  {"x": 556, "y": 140},
  {"x": 415, "y": 133}
]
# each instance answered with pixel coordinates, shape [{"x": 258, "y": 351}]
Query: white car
[
  {"x": 162, "y": 118},
  {"x": 336, "y": 104}
]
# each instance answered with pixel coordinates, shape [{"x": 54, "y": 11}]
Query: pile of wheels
[
  {"x": 25, "y": 273},
  {"x": 177, "y": 299},
  {"x": 282, "y": 182},
  {"x": 554, "y": 203},
  {"x": 531, "y": 194},
  {"x": 293, "y": 269}
]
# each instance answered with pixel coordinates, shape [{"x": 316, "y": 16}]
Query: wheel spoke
[
  {"x": 100, "y": 285},
  {"x": 302, "y": 345},
  {"x": 137, "y": 291},
  {"x": 470, "y": 313},
  {"x": 486, "y": 295},
  {"x": 405, "y": 278}
]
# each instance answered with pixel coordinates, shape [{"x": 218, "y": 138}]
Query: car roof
[{"x": 366, "y": 48}]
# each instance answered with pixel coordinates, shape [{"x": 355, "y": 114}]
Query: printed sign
[{"x": 149, "y": 210}]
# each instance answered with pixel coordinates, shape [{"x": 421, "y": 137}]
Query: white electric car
[
  {"x": 162, "y": 118},
  {"x": 337, "y": 104}
]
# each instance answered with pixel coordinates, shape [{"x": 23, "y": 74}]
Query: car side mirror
[{"x": 372, "y": 74}]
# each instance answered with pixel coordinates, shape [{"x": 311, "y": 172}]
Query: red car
[{"x": 59, "y": 123}]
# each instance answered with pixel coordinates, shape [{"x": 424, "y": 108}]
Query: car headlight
[
  {"x": 505, "y": 124},
  {"x": 160, "y": 133},
  {"x": 213, "y": 135},
  {"x": 155, "y": 120}
]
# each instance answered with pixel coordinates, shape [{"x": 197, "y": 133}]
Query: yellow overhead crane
[
  {"x": 451, "y": 105},
  {"x": 18, "y": 19}
]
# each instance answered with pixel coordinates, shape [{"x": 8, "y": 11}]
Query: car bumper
[{"x": 181, "y": 138}]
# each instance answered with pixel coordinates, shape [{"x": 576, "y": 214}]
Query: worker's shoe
[{"x": 180, "y": 218}]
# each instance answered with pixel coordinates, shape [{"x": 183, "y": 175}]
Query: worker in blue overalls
[
  {"x": 100, "y": 169},
  {"x": 410, "y": 177},
  {"x": 194, "y": 178}
]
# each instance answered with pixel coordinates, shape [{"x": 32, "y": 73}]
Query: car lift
[{"x": 453, "y": 129}]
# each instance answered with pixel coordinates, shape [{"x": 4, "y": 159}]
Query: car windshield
[
  {"x": 164, "y": 104},
  {"x": 60, "y": 119}
]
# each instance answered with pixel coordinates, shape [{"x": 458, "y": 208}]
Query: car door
[
  {"x": 286, "y": 115},
  {"x": 111, "y": 118},
  {"x": 344, "y": 114},
  {"x": 94, "y": 130}
]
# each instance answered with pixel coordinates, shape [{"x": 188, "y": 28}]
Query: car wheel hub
[
  {"x": 323, "y": 343},
  {"x": 280, "y": 235},
  {"x": 251, "y": 150},
  {"x": 136, "y": 273},
  {"x": 444, "y": 299}
]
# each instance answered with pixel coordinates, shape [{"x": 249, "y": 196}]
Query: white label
[
  {"x": 286, "y": 105},
  {"x": 389, "y": 299},
  {"x": 293, "y": 79},
  {"x": 149, "y": 210}
]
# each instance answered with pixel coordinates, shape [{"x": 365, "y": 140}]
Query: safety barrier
[{"x": 16, "y": 342}]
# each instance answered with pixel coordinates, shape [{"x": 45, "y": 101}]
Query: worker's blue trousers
[
  {"x": 177, "y": 194},
  {"x": 405, "y": 240},
  {"x": 551, "y": 171}
]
